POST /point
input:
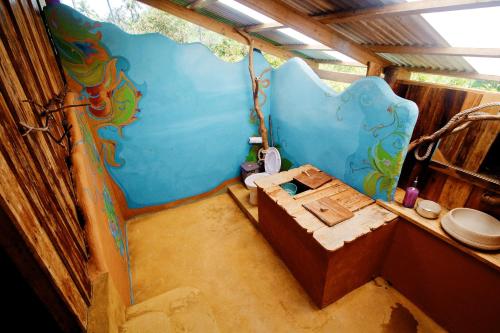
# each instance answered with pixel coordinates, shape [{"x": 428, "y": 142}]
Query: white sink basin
[{"x": 472, "y": 227}]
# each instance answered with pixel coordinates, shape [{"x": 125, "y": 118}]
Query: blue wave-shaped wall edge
[
  {"x": 192, "y": 131},
  {"x": 359, "y": 135}
]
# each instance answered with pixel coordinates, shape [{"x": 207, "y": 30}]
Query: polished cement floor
[{"x": 210, "y": 245}]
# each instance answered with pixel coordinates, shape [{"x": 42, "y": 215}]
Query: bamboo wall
[
  {"x": 437, "y": 104},
  {"x": 36, "y": 190}
]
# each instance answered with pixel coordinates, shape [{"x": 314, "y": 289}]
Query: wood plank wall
[
  {"x": 437, "y": 104},
  {"x": 36, "y": 190}
]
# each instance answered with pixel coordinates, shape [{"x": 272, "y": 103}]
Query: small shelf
[{"x": 434, "y": 227}]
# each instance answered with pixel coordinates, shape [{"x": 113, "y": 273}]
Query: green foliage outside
[
  {"x": 341, "y": 86},
  {"x": 136, "y": 18}
]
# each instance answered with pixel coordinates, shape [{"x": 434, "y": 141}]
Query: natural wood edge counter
[
  {"x": 434, "y": 227},
  {"x": 367, "y": 218}
]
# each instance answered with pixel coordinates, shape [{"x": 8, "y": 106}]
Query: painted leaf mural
[
  {"x": 359, "y": 136},
  {"x": 97, "y": 75}
]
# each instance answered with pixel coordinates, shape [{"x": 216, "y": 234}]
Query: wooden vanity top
[
  {"x": 368, "y": 215},
  {"x": 434, "y": 227}
]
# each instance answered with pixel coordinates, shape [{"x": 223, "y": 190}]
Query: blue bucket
[{"x": 290, "y": 188}]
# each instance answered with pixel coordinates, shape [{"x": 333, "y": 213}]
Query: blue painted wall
[
  {"x": 194, "y": 122},
  {"x": 192, "y": 131},
  {"x": 359, "y": 136}
]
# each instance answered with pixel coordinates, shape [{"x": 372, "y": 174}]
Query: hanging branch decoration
[
  {"x": 256, "y": 87},
  {"x": 46, "y": 111},
  {"x": 457, "y": 123}
]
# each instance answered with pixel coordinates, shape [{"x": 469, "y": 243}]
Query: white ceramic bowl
[
  {"x": 428, "y": 209},
  {"x": 473, "y": 227}
]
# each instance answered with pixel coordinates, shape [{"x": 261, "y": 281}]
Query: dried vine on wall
[{"x": 256, "y": 82}]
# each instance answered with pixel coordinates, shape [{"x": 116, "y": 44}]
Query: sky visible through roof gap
[
  {"x": 475, "y": 28},
  {"x": 303, "y": 39}
]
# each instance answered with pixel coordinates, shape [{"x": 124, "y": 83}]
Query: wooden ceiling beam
[
  {"x": 263, "y": 27},
  {"x": 199, "y": 4},
  {"x": 220, "y": 28},
  {"x": 297, "y": 47},
  {"x": 401, "y": 9},
  {"x": 290, "y": 17},
  {"x": 337, "y": 76},
  {"x": 339, "y": 62},
  {"x": 467, "y": 75},
  {"x": 449, "y": 51}
]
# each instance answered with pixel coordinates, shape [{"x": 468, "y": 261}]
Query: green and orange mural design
[{"x": 99, "y": 77}]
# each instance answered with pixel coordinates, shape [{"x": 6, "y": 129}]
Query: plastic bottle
[{"x": 411, "y": 195}]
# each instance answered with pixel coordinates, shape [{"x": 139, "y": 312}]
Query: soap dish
[{"x": 428, "y": 209}]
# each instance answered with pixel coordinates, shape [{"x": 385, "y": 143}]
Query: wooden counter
[
  {"x": 329, "y": 262},
  {"x": 492, "y": 258}
]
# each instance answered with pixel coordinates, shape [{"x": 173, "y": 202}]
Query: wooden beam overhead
[
  {"x": 406, "y": 8},
  {"x": 290, "y": 17},
  {"x": 263, "y": 27},
  {"x": 449, "y": 51},
  {"x": 198, "y": 4},
  {"x": 337, "y": 76},
  {"x": 373, "y": 69},
  {"x": 220, "y": 28},
  {"x": 467, "y": 75},
  {"x": 305, "y": 47},
  {"x": 339, "y": 62}
]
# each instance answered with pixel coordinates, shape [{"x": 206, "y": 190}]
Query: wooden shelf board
[
  {"x": 240, "y": 195},
  {"x": 434, "y": 227}
]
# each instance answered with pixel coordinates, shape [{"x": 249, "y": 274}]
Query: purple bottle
[{"x": 411, "y": 195}]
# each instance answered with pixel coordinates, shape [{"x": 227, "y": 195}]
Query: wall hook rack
[{"x": 47, "y": 111}]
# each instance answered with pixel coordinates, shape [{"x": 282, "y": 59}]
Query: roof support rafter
[
  {"x": 297, "y": 47},
  {"x": 338, "y": 76},
  {"x": 339, "y": 62},
  {"x": 263, "y": 27},
  {"x": 467, "y": 75},
  {"x": 449, "y": 51},
  {"x": 401, "y": 9},
  {"x": 199, "y": 4},
  {"x": 290, "y": 17}
]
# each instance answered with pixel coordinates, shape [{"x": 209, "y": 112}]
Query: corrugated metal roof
[
  {"x": 226, "y": 12},
  {"x": 410, "y": 30}
]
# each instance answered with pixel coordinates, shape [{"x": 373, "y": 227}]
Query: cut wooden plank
[
  {"x": 364, "y": 221},
  {"x": 333, "y": 183},
  {"x": 313, "y": 178},
  {"x": 322, "y": 192},
  {"x": 352, "y": 199},
  {"x": 281, "y": 177},
  {"x": 240, "y": 195},
  {"x": 329, "y": 211}
]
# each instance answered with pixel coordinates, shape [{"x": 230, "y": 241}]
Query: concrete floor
[{"x": 212, "y": 246}]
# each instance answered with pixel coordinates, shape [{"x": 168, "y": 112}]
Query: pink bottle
[{"x": 411, "y": 195}]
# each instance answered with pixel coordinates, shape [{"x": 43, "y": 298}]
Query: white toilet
[{"x": 272, "y": 165}]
